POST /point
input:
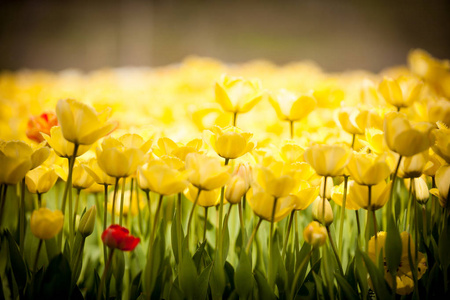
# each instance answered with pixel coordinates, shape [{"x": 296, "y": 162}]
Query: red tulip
[
  {"x": 118, "y": 237},
  {"x": 42, "y": 123}
]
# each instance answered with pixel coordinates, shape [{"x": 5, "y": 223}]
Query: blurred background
[{"x": 338, "y": 35}]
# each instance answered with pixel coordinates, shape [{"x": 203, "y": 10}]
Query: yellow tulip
[
  {"x": 304, "y": 195},
  {"x": 291, "y": 153},
  {"x": 404, "y": 277},
  {"x": 401, "y": 92},
  {"x": 277, "y": 179},
  {"x": 353, "y": 120},
  {"x": 166, "y": 146},
  {"x": 116, "y": 160},
  {"x": 160, "y": 178},
  {"x": 81, "y": 179},
  {"x": 15, "y": 161},
  {"x": 133, "y": 140},
  {"x": 206, "y": 198},
  {"x": 328, "y": 160},
  {"x": 442, "y": 141},
  {"x": 427, "y": 67},
  {"x": 443, "y": 185},
  {"x": 41, "y": 179},
  {"x": 421, "y": 192},
  {"x": 405, "y": 138},
  {"x": 359, "y": 194},
  {"x": 413, "y": 166},
  {"x": 46, "y": 224},
  {"x": 433, "y": 164},
  {"x": 239, "y": 183},
  {"x": 315, "y": 235},
  {"x": 206, "y": 173},
  {"x": 262, "y": 204},
  {"x": 375, "y": 140},
  {"x": 99, "y": 176},
  {"x": 229, "y": 142},
  {"x": 236, "y": 94},
  {"x": 368, "y": 169},
  {"x": 60, "y": 145},
  {"x": 318, "y": 214},
  {"x": 292, "y": 107},
  {"x": 439, "y": 111},
  {"x": 39, "y": 155},
  {"x": 337, "y": 195},
  {"x": 80, "y": 123}
]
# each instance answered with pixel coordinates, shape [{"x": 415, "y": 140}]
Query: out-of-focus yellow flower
[
  {"x": 81, "y": 179},
  {"x": 99, "y": 176},
  {"x": 443, "y": 183},
  {"x": 133, "y": 140},
  {"x": 404, "y": 277},
  {"x": 401, "y": 92},
  {"x": 433, "y": 164},
  {"x": 359, "y": 194},
  {"x": 413, "y": 166},
  {"x": 328, "y": 160},
  {"x": 41, "y": 179},
  {"x": 405, "y": 138},
  {"x": 166, "y": 146},
  {"x": 277, "y": 179},
  {"x": 427, "y": 67},
  {"x": 375, "y": 140},
  {"x": 206, "y": 198},
  {"x": 290, "y": 106},
  {"x": 368, "y": 169},
  {"x": 262, "y": 204},
  {"x": 236, "y": 94},
  {"x": 129, "y": 209},
  {"x": 353, "y": 120},
  {"x": 442, "y": 141},
  {"x": 229, "y": 142},
  {"x": 303, "y": 197},
  {"x": 46, "y": 224},
  {"x": 337, "y": 195},
  {"x": 206, "y": 173},
  {"x": 318, "y": 211},
  {"x": 81, "y": 124},
  {"x": 15, "y": 159},
  {"x": 60, "y": 145},
  {"x": 315, "y": 235},
  {"x": 116, "y": 159},
  {"x": 291, "y": 152},
  {"x": 158, "y": 177},
  {"x": 239, "y": 183},
  {"x": 439, "y": 111}
]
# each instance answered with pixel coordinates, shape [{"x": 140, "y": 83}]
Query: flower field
[{"x": 205, "y": 180}]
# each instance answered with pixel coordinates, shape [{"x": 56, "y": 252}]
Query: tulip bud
[
  {"x": 315, "y": 235},
  {"x": 317, "y": 212},
  {"x": 239, "y": 184},
  {"x": 87, "y": 222},
  {"x": 421, "y": 190}
]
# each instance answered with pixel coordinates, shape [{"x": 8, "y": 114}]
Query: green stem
[
  {"x": 39, "y": 197},
  {"x": 122, "y": 200},
  {"x": 391, "y": 194},
  {"x": 341, "y": 225},
  {"x": 149, "y": 204},
  {"x": 105, "y": 271},
  {"x": 272, "y": 222},
  {"x": 376, "y": 232},
  {"x": 286, "y": 239},
  {"x": 3, "y": 189},
  {"x": 77, "y": 261},
  {"x": 179, "y": 227},
  {"x": 241, "y": 221},
  {"x": 69, "y": 182},
  {"x": 113, "y": 208},
  {"x": 424, "y": 221},
  {"x": 334, "y": 250},
  {"x": 192, "y": 213},
  {"x": 324, "y": 196},
  {"x": 234, "y": 119},
  {"x": 297, "y": 275},
  {"x": 358, "y": 225},
  {"x": 353, "y": 141},
  {"x": 291, "y": 126},
  {"x": 77, "y": 200},
  {"x": 205, "y": 223},
  {"x": 155, "y": 220},
  {"x": 249, "y": 243},
  {"x": 22, "y": 217},
  {"x": 36, "y": 258},
  {"x": 105, "y": 219},
  {"x": 416, "y": 228}
]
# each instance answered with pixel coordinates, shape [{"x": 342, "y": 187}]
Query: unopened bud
[
  {"x": 421, "y": 190},
  {"x": 318, "y": 212},
  {"x": 314, "y": 234},
  {"x": 87, "y": 222}
]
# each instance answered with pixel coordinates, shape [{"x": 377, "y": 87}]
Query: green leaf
[
  {"x": 51, "y": 248},
  {"x": 199, "y": 254},
  {"x": 226, "y": 243},
  {"x": 444, "y": 247},
  {"x": 229, "y": 283},
  {"x": 243, "y": 277},
  {"x": 17, "y": 263},
  {"x": 264, "y": 291},
  {"x": 218, "y": 280},
  {"x": 187, "y": 277},
  {"x": 393, "y": 247},
  {"x": 203, "y": 282},
  {"x": 174, "y": 239},
  {"x": 56, "y": 281},
  {"x": 361, "y": 274},
  {"x": 377, "y": 277},
  {"x": 346, "y": 287},
  {"x": 135, "y": 288},
  {"x": 118, "y": 268}
]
